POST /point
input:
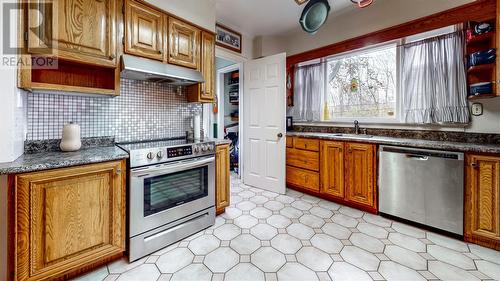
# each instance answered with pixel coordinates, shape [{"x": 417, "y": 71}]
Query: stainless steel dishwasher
[{"x": 423, "y": 186}]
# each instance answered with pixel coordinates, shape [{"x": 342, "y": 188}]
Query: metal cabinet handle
[
  {"x": 473, "y": 165},
  {"x": 118, "y": 171},
  {"x": 280, "y": 135}
]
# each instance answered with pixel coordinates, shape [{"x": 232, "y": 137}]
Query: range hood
[{"x": 137, "y": 68}]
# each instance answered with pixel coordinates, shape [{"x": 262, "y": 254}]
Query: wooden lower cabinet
[
  {"x": 302, "y": 178},
  {"x": 482, "y": 200},
  {"x": 345, "y": 172},
  {"x": 302, "y": 164},
  {"x": 68, "y": 220},
  {"x": 360, "y": 174},
  {"x": 332, "y": 167},
  {"x": 302, "y": 159},
  {"x": 222, "y": 184}
]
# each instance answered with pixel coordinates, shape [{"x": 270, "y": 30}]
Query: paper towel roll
[{"x": 196, "y": 127}]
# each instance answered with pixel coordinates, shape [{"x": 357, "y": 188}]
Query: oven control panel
[
  {"x": 175, "y": 152},
  {"x": 157, "y": 155}
]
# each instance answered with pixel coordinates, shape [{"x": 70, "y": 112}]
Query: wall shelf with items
[{"x": 481, "y": 49}]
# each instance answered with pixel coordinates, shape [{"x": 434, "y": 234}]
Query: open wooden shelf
[
  {"x": 481, "y": 38},
  {"x": 70, "y": 76},
  {"x": 482, "y": 96},
  {"x": 484, "y": 72},
  {"x": 482, "y": 67}
]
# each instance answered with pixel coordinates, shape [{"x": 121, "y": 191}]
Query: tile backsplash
[{"x": 143, "y": 111}]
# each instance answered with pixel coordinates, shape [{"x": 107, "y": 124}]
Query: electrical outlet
[{"x": 477, "y": 109}]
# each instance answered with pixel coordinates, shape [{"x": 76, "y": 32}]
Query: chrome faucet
[{"x": 356, "y": 127}]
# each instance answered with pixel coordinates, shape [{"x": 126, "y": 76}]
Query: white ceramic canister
[{"x": 71, "y": 140}]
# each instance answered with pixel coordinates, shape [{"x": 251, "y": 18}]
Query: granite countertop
[
  {"x": 417, "y": 143},
  {"x": 57, "y": 159}
]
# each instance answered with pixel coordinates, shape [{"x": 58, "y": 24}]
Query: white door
[{"x": 264, "y": 105}]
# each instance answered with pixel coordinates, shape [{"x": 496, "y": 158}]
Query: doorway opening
[{"x": 228, "y": 107}]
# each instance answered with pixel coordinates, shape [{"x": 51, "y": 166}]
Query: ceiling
[{"x": 267, "y": 17}]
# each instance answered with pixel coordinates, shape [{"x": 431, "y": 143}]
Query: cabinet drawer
[
  {"x": 302, "y": 178},
  {"x": 289, "y": 142},
  {"x": 302, "y": 159},
  {"x": 306, "y": 144}
]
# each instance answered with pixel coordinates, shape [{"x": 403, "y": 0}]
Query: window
[
  {"x": 362, "y": 85},
  {"x": 419, "y": 79}
]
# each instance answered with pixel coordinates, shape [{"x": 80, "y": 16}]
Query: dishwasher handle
[{"x": 417, "y": 157}]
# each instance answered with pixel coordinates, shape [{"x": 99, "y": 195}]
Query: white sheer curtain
[
  {"x": 308, "y": 91},
  {"x": 434, "y": 84}
]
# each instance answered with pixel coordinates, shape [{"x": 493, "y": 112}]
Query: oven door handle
[{"x": 172, "y": 168}]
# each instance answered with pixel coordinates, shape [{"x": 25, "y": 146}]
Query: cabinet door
[
  {"x": 360, "y": 174},
  {"x": 184, "y": 44},
  {"x": 332, "y": 168},
  {"x": 482, "y": 200},
  {"x": 205, "y": 92},
  {"x": 78, "y": 30},
  {"x": 208, "y": 66},
  {"x": 222, "y": 185},
  {"x": 143, "y": 31},
  {"x": 69, "y": 218}
]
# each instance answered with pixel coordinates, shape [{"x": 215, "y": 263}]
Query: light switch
[{"x": 477, "y": 109}]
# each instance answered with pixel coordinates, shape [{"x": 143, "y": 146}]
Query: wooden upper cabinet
[
  {"x": 360, "y": 179},
  {"x": 184, "y": 44},
  {"x": 222, "y": 185},
  {"x": 68, "y": 219},
  {"x": 144, "y": 31},
  {"x": 78, "y": 30},
  {"x": 208, "y": 66},
  {"x": 332, "y": 168},
  {"x": 482, "y": 200},
  {"x": 205, "y": 92}
]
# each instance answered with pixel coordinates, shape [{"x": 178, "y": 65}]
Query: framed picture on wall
[{"x": 227, "y": 38}]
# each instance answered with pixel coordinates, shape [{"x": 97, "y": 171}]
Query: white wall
[
  {"x": 12, "y": 105},
  {"x": 198, "y": 12},
  {"x": 489, "y": 122},
  {"x": 352, "y": 23}
]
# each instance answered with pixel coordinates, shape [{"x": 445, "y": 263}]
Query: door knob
[{"x": 280, "y": 135}]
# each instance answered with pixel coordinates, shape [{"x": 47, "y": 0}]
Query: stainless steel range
[{"x": 172, "y": 186}]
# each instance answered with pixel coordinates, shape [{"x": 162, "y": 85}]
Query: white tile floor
[{"x": 266, "y": 236}]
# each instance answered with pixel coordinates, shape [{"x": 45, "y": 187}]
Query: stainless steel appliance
[
  {"x": 137, "y": 68},
  {"x": 172, "y": 186},
  {"x": 424, "y": 186}
]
